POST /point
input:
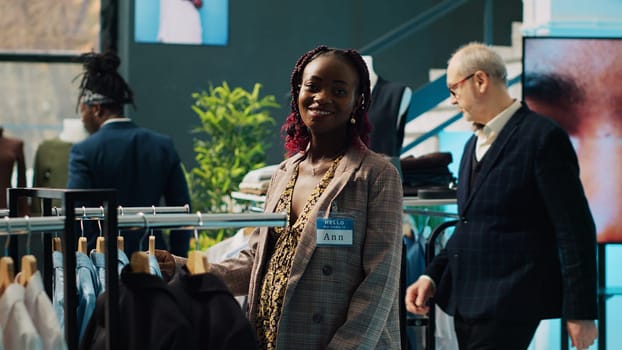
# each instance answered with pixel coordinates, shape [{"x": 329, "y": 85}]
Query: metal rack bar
[
  {"x": 91, "y": 212},
  {"x": 120, "y": 210},
  {"x": 16, "y": 226}
]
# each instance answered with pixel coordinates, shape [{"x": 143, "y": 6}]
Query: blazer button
[
  {"x": 327, "y": 270},
  {"x": 464, "y": 220},
  {"x": 317, "y": 318}
]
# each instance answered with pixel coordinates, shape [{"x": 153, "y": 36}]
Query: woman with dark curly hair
[{"x": 329, "y": 280}]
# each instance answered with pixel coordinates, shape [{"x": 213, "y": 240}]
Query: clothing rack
[
  {"x": 152, "y": 217},
  {"x": 70, "y": 198}
]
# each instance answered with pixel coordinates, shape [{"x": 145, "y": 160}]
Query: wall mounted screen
[
  {"x": 191, "y": 22},
  {"x": 578, "y": 82}
]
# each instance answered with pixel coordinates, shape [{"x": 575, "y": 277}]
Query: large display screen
[
  {"x": 192, "y": 22},
  {"x": 578, "y": 82}
]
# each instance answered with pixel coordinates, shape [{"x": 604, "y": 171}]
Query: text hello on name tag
[{"x": 334, "y": 231}]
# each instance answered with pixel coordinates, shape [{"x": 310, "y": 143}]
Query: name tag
[{"x": 334, "y": 231}]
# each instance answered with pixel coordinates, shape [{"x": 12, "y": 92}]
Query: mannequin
[
  {"x": 12, "y": 156},
  {"x": 387, "y": 113},
  {"x": 73, "y": 130},
  {"x": 51, "y": 163}
]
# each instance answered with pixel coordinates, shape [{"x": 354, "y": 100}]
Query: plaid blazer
[
  {"x": 525, "y": 245},
  {"x": 337, "y": 297}
]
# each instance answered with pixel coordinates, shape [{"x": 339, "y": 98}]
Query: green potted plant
[{"x": 230, "y": 142}]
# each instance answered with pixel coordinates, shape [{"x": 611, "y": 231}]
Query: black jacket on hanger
[
  {"x": 216, "y": 317},
  {"x": 191, "y": 312},
  {"x": 149, "y": 313}
]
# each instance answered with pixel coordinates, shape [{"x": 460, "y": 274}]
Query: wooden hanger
[
  {"x": 29, "y": 267},
  {"x": 82, "y": 245},
  {"x": 57, "y": 244},
  {"x": 139, "y": 262},
  {"x": 197, "y": 262},
  {"x": 152, "y": 245},
  {"x": 120, "y": 243},
  {"x": 7, "y": 273},
  {"x": 29, "y": 262},
  {"x": 100, "y": 244}
]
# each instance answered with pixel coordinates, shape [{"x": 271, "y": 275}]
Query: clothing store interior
[{"x": 208, "y": 100}]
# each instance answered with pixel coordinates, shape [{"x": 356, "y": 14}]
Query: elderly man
[{"x": 524, "y": 248}]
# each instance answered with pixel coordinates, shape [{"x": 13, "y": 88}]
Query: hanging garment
[
  {"x": 87, "y": 283},
  {"x": 18, "y": 330},
  {"x": 58, "y": 288},
  {"x": 123, "y": 260},
  {"x": 216, "y": 318},
  {"x": 99, "y": 262},
  {"x": 42, "y": 314},
  {"x": 90, "y": 282},
  {"x": 154, "y": 268},
  {"x": 149, "y": 314}
]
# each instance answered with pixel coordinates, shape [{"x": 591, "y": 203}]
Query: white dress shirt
[
  {"x": 489, "y": 132},
  {"x": 42, "y": 313},
  {"x": 18, "y": 330}
]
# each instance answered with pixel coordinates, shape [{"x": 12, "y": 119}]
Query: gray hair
[{"x": 476, "y": 56}]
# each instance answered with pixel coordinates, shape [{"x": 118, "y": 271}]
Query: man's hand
[
  {"x": 417, "y": 296},
  {"x": 582, "y": 333}
]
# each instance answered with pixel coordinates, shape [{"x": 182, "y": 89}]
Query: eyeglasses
[{"x": 452, "y": 87}]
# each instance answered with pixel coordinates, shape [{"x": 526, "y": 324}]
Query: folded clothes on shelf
[
  {"x": 428, "y": 176},
  {"x": 257, "y": 181}
]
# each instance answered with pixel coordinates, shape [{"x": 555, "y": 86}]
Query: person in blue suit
[
  {"x": 141, "y": 164},
  {"x": 524, "y": 248}
]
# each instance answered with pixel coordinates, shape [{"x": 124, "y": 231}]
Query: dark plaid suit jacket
[{"x": 525, "y": 245}]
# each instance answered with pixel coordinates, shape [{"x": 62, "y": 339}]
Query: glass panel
[
  {"x": 36, "y": 97},
  {"x": 64, "y": 25}
]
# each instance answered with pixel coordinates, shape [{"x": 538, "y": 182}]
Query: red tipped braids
[{"x": 295, "y": 132}]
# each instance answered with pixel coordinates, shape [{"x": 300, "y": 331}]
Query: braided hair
[
  {"x": 100, "y": 78},
  {"x": 294, "y": 130}
]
